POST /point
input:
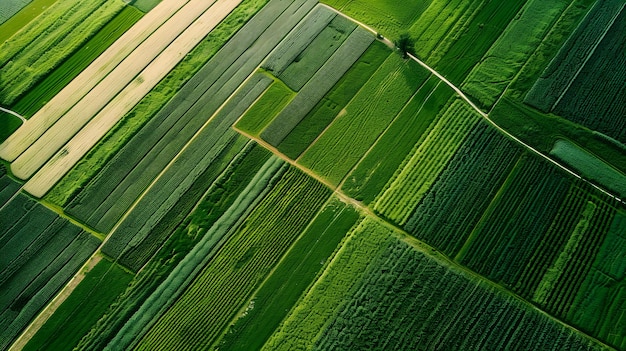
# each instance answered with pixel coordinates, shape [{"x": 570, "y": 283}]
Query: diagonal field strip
[
  {"x": 89, "y": 78},
  {"x": 82, "y": 142},
  {"x": 165, "y": 38}
]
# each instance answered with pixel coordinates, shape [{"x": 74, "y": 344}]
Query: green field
[
  {"x": 45, "y": 90},
  {"x": 293, "y": 181}
]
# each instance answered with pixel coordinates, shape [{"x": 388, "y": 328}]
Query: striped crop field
[{"x": 296, "y": 175}]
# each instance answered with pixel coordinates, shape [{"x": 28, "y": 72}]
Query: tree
[{"x": 405, "y": 44}]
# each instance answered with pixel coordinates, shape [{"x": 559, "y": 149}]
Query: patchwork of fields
[{"x": 272, "y": 174}]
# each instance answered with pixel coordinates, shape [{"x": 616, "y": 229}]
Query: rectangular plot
[
  {"x": 304, "y": 66},
  {"x": 343, "y": 144},
  {"x": 318, "y": 86},
  {"x": 334, "y": 101},
  {"x": 298, "y": 39},
  {"x": 372, "y": 173},
  {"x": 198, "y": 156},
  {"x": 273, "y": 100},
  {"x": 151, "y": 149}
]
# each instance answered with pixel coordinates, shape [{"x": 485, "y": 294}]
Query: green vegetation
[
  {"x": 154, "y": 101},
  {"x": 12, "y": 25},
  {"x": 491, "y": 77},
  {"x": 10, "y": 123},
  {"x": 82, "y": 308},
  {"x": 40, "y": 253},
  {"x": 290, "y": 279},
  {"x": 590, "y": 167},
  {"x": 323, "y": 80},
  {"x": 381, "y": 291},
  {"x": 541, "y": 131},
  {"x": 350, "y": 136},
  {"x": 240, "y": 266},
  {"x": 423, "y": 165},
  {"x": 145, "y": 5},
  {"x": 9, "y": 8},
  {"x": 410, "y": 128},
  {"x": 317, "y": 52},
  {"x": 45, "y": 90},
  {"x": 458, "y": 198},
  {"x": 273, "y": 100},
  {"x": 42, "y": 45},
  {"x": 388, "y": 17},
  {"x": 334, "y": 101}
]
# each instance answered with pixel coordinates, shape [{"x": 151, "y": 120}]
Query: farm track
[{"x": 13, "y": 113}]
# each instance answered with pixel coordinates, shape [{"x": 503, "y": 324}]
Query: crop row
[
  {"x": 403, "y": 299},
  {"x": 40, "y": 253},
  {"x": 325, "y": 111},
  {"x": 207, "y": 249},
  {"x": 411, "y": 126},
  {"x": 89, "y": 300},
  {"x": 455, "y": 202},
  {"x": 8, "y": 187},
  {"x": 509, "y": 232},
  {"x": 132, "y": 169},
  {"x": 240, "y": 266},
  {"x": 423, "y": 165},
  {"x": 202, "y": 161},
  {"x": 291, "y": 277},
  {"x": 295, "y": 42},
  {"x": 263, "y": 111},
  {"x": 75, "y": 136},
  {"x": 573, "y": 55},
  {"x": 369, "y": 113},
  {"x": 501, "y": 63},
  {"x": 471, "y": 38},
  {"x": 237, "y": 189},
  {"x": 595, "y": 98},
  {"x": 147, "y": 108},
  {"x": 36, "y": 97},
  {"x": 320, "y": 83},
  {"x": 92, "y": 77},
  {"x": 33, "y": 62},
  {"x": 317, "y": 52}
]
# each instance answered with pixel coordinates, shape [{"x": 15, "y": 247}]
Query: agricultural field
[{"x": 289, "y": 175}]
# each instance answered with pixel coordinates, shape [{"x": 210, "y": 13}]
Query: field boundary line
[
  {"x": 593, "y": 50},
  {"x": 13, "y": 113},
  {"x": 35, "y": 325}
]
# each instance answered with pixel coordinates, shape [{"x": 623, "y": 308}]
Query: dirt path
[
  {"x": 13, "y": 113},
  {"x": 45, "y": 314}
]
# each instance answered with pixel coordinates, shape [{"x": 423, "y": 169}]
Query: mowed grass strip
[
  {"x": 273, "y": 100},
  {"x": 246, "y": 259},
  {"x": 334, "y": 101},
  {"x": 104, "y": 120},
  {"x": 352, "y": 133},
  {"x": 77, "y": 314},
  {"x": 20, "y": 19},
  {"x": 119, "y": 91},
  {"x": 313, "y": 91},
  {"x": 422, "y": 166},
  {"x": 148, "y": 107},
  {"x": 371, "y": 174},
  {"x": 53, "y": 83},
  {"x": 290, "y": 279},
  {"x": 39, "y": 123}
]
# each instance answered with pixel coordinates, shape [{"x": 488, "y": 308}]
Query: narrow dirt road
[{"x": 13, "y": 113}]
